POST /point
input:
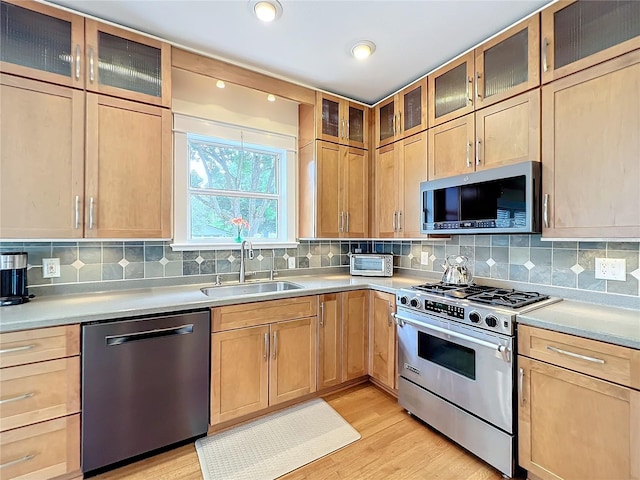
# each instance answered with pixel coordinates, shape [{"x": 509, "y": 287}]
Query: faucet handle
[
  {"x": 273, "y": 273},
  {"x": 218, "y": 282}
]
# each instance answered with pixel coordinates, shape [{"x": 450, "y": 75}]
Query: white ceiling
[{"x": 310, "y": 43}]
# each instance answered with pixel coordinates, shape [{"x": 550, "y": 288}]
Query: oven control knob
[
  {"x": 415, "y": 303},
  {"x": 475, "y": 317},
  {"x": 491, "y": 321},
  {"x": 404, "y": 300}
]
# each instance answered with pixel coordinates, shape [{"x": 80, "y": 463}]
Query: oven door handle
[{"x": 505, "y": 351}]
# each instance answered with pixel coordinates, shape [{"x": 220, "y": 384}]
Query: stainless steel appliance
[
  {"x": 145, "y": 385},
  {"x": 456, "y": 351},
  {"x": 371, "y": 265},
  {"x": 498, "y": 200},
  {"x": 13, "y": 278},
  {"x": 456, "y": 270}
]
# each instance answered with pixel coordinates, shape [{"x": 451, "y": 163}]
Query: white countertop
[{"x": 614, "y": 325}]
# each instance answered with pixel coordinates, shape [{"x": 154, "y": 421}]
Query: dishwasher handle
[{"x": 113, "y": 340}]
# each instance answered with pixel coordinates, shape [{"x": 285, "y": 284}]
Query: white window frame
[{"x": 287, "y": 218}]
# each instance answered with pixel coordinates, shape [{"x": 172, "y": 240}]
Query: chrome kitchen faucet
[{"x": 245, "y": 245}]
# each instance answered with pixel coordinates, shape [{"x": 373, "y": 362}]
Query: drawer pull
[
  {"x": 575, "y": 355},
  {"x": 17, "y": 349},
  {"x": 15, "y": 399},
  {"x": 15, "y": 462}
]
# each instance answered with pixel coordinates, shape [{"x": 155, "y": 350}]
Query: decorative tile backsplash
[{"x": 522, "y": 258}]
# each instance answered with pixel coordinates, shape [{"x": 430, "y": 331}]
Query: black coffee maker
[{"x": 13, "y": 278}]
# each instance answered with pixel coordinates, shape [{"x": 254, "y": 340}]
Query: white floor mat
[{"x": 271, "y": 446}]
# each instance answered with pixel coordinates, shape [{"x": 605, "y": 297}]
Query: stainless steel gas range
[{"x": 456, "y": 353}]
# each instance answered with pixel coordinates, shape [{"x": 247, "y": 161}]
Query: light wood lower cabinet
[
  {"x": 382, "y": 338},
  {"x": 342, "y": 337},
  {"x": 573, "y": 425},
  {"x": 256, "y": 367}
]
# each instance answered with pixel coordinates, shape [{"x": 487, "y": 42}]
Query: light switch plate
[
  {"x": 424, "y": 258},
  {"x": 291, "y": 262},
  {"x": 50, "y": 267},
  {"x": 611, "y": 269}
]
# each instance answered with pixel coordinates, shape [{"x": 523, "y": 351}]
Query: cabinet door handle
[
  {"x": 399, "y": 220},
  {"x": 545, "y": 46},
  {"x": 389, "y": 314},
  {"x": 77, "y": 211},
  {"x": 91, "y": 203},
  {"x": 347, "y": 134},
  {"x": 15, "y": 462},
  {"x": 478, "y": 151},
  {"x": 347, "y": 229},
  {"x": 520, "y": 387},
  {"x": 344, "y": 135},
  {"x": 469, "y": 154},
  {"x": 266, "y": 346},
  {"x": 394, "y": 221},
  {"x": 322, "y": 314},
  {"x": 394, "y": 123},
  {"x": 399, "y": 122},
  {"x": 545, "y": 210},
  {"x": 575, "y": 355},
  {"x": 15, "y": 399},
  {"x": 92, "y": 74},
  {"x": 469, "y": 95},
  {"x": 341, "y": 221},
  {"x": 77, "y": 62},
  {"x": 275, "y": 344},
  {"x": 478, "y": 85},
  {"x": 17, "y": 349}
]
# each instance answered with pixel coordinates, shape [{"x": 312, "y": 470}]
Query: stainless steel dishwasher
[{"x": 145, "y": 385}]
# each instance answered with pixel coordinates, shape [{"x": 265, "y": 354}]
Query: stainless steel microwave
[
  {"x": 371, "y": 265},
  {"x": 499, "y": 200}
]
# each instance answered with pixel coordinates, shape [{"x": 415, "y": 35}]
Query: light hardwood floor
[{"x": 393, "y": 446}]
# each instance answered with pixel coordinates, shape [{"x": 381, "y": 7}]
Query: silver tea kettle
[{"x": 456, "y": 270}]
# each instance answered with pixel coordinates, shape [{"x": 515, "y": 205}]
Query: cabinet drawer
[
  {"x": 28, "y": 346},
  {"x": 610, "y": 362},
  {"x": 261, "y": 313},
  {"x": 43, "y": 450},
  {"x": 39, "y": 391}
]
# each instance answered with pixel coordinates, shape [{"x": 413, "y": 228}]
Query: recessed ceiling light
[
  {"x": 271, "y": 97},
  {"x": 266, "y": 11},
  {"x": 220, "y": 84},
  {"x": 363, "y": 49}
]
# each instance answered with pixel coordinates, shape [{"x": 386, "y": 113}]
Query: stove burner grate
[
  {"x": 507, "y": 298},
  {"x": 437, "y": 287}
]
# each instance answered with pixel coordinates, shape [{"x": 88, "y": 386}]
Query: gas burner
[
  {"x": 437, "y": 288},
  {"x": 507, "y": 298},
  {"x": 466, "y": 291}
]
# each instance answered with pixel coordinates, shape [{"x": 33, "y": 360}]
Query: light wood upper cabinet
[
  {"x": 53, "y": 53},
  {"x": 580, "y": 34},
  {"x": 508, "y": 64},
  {"x": 400, "y": 167},
  {"x": 590, "y": 143},
  {"x": 127, "y": 65},
  {"x": 573, "y": 421},
  {"x": 451, "y": 90},
  {"x": 333, "y": 191},
  {"x": 402, "y": 115},
  {"x": 128, "y": 174},
  {"x": 41, "y": 160},
  {"x": 382, "y": 338},
  {"x": 341, "y": 121},
  {"x": 451, "y": 148}
]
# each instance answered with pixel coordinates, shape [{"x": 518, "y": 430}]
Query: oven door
[{"x": 467, "y": 366}]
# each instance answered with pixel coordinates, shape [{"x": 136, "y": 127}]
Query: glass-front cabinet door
[
  {"x": 386, "y": 122},
  {"x": 128, "y": 65},
  {"x": 341, "y": 121},
  {"x": 41, "y": 42},
  {"x": 451, "y": 90},
  {"x": 412, "y": 117},
  {"x": 579, "y": 34},
  {"x": 508, "y": 64},
  {"x": 357, "y": 120}
]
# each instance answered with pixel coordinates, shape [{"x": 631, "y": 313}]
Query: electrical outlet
[
  {"x": 292, "y": 262},
  {"x": 50, "y": 267},
  {"x": 611, "y": 269},
  {"x": 424, "y": 258}
]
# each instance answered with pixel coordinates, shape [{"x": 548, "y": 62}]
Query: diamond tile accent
[
  {"x": 432, "y": 257},
  {"x": 199, "y": 259},
  {"x": 308, "y": 255},
  {"x": 491, "y": 262},
  {"x": 260, "y": 257},
  {"x": 285, "y": 256},
  {"x": 123, "y": 263},
  {"x": 410, "y": 256},
  {"x": 529, "y": 264},
  {"x": 231, "y": 258},
  {"x": 636, "y": 273},
  {"x": 78, "y": 264},
  {"x": 163, "y": 261},
  {"x": 330, "y": 254},
  {"x": 577, "y": 269}
]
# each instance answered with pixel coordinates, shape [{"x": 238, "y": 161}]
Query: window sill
[{"x": 186, "y": 247}]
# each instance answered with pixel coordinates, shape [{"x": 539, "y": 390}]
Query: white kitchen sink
[{"x": 248, "y": 288}]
